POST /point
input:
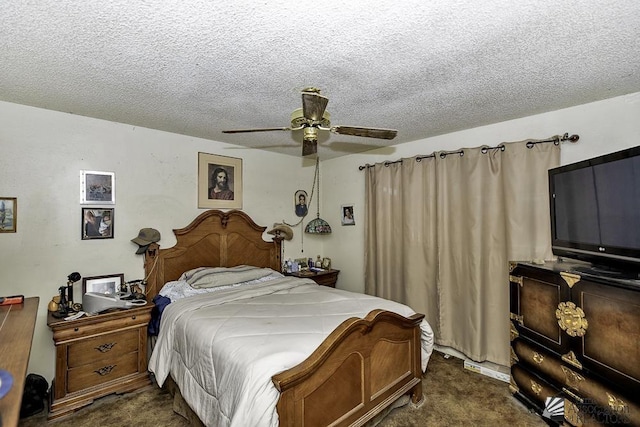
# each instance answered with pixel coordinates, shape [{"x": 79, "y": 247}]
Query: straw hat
[{"x": 282, "y": 230}]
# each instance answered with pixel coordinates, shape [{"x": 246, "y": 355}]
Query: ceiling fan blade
[
  {"x": 313, "y": 105},
  {"x": 366, "y": 132},
  {"x": 257, "y": 130},
  {"x": 309, "y": 147}
]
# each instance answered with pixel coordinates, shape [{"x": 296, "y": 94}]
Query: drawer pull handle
[
  {"x": 105, "y": 347},
  {"x": 538, "y": 358},
  {"x": 106, "y": 370},
  {"x": 573, "y": 395}
]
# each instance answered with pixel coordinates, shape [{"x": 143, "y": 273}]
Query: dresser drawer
[
  {"x": 103, "y": 347},
  {"x": 101, "y": 372},
  {"x": 591, "y": 402}
]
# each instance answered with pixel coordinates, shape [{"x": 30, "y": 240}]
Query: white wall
[
  {"x": 603, "y": 127},
  {"x": 42, "y": 153}
]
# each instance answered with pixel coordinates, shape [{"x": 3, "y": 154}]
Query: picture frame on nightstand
[
  {"x": 326, "y": 263},
  {"x": 109, "y": 284}
]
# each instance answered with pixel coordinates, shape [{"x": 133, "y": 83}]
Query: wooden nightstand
[
  {"x": 96, "y": 356},
  {"x": 324, "y": 278}
]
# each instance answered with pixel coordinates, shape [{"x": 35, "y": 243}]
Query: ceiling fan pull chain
[{"x": 318, "y": 177}]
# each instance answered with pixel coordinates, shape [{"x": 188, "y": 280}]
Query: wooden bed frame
[{"x": 362, "y": 367}]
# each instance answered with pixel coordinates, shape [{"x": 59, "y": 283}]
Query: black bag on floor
[{"x": 34, "y": 396}]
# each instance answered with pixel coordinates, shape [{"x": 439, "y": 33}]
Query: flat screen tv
[{"x": 595, "y": 212}]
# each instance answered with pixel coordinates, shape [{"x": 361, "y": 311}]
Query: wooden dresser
[
  {"x": 98, "y": 355},
  {"x": 324, "y": 278},
  {"x": 16, "y": 333},
  {"x": 575, "y": 337}
]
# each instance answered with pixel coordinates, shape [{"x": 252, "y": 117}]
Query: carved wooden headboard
[{"x": 213, "y": 239}]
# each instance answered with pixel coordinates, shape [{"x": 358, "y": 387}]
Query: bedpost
[{"x": 150, "y": 271}]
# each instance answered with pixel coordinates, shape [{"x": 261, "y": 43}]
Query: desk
[{"x": 16, "y": 333}]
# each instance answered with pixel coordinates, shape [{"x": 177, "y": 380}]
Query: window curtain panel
[{"x": 440, "y": 233}]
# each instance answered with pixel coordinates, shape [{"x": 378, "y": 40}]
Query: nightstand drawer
[
  {"x": 103, "y": 347},
  {"x": 102, "y": 371},
  {"x": 91, "y": 326}
]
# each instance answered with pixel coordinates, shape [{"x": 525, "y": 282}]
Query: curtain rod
[{"x": 530, "y": 144}]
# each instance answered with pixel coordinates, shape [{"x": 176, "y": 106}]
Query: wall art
[
  {"x": 97, "y": 187},
  {"x": 97, "y": 223},
  {"x": 219, "y": 182}
]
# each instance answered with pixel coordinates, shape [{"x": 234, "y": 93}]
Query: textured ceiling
[{"x": 198, "y": 67}]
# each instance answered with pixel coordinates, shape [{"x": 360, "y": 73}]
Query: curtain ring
[
  {"x": 484, "y": 150},
  {"x": 530, "y": 144}
]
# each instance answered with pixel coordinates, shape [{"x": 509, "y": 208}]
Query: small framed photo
[
  {"x": 300, "y": 200},
  {"x": 326, "y": 263},
  {"x": 97, "y": 223},
  {"x": 219, "y": 182},
  {"x": 97, "y": 187},
  {"x": 347, "y": 215},
  {"x": 8, "y": 214},
  {"x": 110, "y": 284}
]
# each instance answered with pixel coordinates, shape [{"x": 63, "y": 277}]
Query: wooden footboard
[{"x": 359, "y": 370}]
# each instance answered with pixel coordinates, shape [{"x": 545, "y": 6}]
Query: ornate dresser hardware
[{"x": 571, "y": 319}]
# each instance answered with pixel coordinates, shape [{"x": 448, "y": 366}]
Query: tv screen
[{"x": 595, "y": 210}]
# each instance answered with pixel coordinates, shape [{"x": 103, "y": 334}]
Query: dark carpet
[{"x": 454, "y": 397}]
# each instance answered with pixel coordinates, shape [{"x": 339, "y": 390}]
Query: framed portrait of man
[{"x": 219, "y": 182}]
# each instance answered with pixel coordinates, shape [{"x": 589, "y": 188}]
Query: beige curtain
[{"x": 440, "y": 233}]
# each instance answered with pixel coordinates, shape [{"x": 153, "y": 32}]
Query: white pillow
[{"x": 211, "y": 277}]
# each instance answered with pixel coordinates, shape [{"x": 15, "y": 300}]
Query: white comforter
[{"x": 223, "y": 348}]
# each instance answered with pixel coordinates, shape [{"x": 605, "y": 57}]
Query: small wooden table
[
  {"x": 324, "y": 278},
  {"x": 18, "y": 322},
  {"x": 96, "y": 356}
]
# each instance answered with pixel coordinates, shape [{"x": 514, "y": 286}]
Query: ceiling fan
[{"x": 313, "y": 117}]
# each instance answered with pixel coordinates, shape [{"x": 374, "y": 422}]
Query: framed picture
[
  {"x": 110, "y": 284},
  {"x": 300, "y": 200},
  {"x": 219, "y": 182},
  {"x": 8, "y": 214},
  {"x": 97, "y": 223},
  {"x": 347, "y": 215},
  {"x": 326, "y": 263},
  {"x": 97, "y": 187}
]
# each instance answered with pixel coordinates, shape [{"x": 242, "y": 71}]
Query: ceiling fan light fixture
[{"x": 298, "y": 119}]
